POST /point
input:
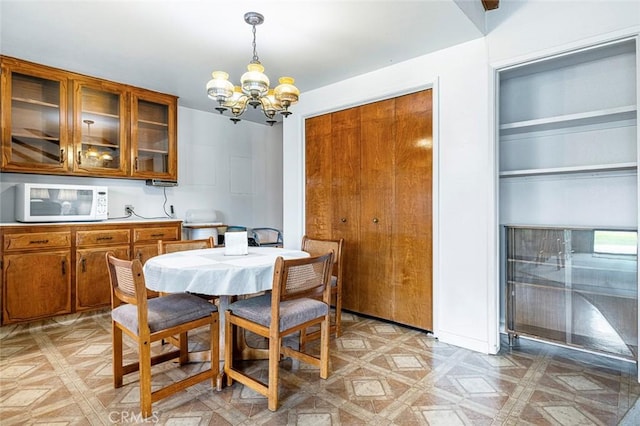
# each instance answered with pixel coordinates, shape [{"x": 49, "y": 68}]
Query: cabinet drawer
[
  {"x": 37, "y": 240},
  {"x": 152, "y": 234},
  {"x": 104, "y": 236}
]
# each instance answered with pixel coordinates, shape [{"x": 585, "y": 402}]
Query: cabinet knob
[
  {"x": 343, "y": 220},
  {"x": 375, "y": 220}
]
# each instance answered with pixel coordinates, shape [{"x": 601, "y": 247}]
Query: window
[{"x": 615, "y": 242}]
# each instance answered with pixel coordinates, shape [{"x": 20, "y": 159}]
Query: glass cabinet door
[
  {"x": 34, "y": 125},
  {"x": 153, "y": 132},
  {"x": 99, "y": 128},
  {"x": 574, "y": 286}
]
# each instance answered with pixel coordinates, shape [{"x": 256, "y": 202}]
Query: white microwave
[{"x": 41, "y": 202}]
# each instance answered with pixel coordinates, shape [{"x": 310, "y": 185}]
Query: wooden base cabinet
[
  {"x": 92, "y": 278},
  {"x": 145, "y": 240},
  {"x": 368, "y": 180},
  {"x": 36, "y": 275},
  {"x": 49, "y": 270}
]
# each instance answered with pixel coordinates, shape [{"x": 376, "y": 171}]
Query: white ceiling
[{"x": 172, "y": 46}]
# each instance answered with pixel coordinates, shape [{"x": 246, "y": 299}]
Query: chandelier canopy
[{"x": 254, "y": 87}]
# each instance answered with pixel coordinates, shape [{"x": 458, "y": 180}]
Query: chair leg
[
  {"x": 183, "y": 342},
  {"x": 228, "y": 349},
  {"x": 324, "y": 347},
  {"x": 144, "y": 351},
  {"x": 338, "y": 315},
  {"x": 116, "y": 344},
  {"x": 274, "y": 363},
  {"x": 303, "y": 339},
  {"x": 214, "y": 339}
]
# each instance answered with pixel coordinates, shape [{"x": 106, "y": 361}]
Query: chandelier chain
[{"x": 255, "y": 60}]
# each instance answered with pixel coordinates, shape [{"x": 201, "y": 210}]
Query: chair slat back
[
  {"x": 127, "y": 281},
  {"x": 305, "y": 277},
  {"x": 318, "y": 246},
  {"x": 124, "y": 278},
  {"x": 182, "y": 245}
]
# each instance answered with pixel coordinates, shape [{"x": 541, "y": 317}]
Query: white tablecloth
[{"x": 210, "y": 271}]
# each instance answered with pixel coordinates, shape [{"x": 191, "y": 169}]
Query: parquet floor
[{"x": 58, "y": 372}]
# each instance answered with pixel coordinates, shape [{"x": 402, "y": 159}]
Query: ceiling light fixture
[{"x": 254, "y": 87}]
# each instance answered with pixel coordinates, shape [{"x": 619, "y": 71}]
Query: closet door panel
[
  {"x": 412, "y": 211},
  {"x": 345, "y": 192},
  {"x": 376, "y": 199},
  {"x": 318, "y": 156},
  {"x": 369, "y": 181}
]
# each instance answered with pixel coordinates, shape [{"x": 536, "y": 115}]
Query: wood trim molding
[{"x": 490, "y": 4}]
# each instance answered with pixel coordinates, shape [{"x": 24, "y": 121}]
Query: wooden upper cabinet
[
  {"x": 35, "y": 131},
  {"x": 59, "y": 122},
  {"x": 99, "y": 127},
  {"x": 153, "y": 135}
]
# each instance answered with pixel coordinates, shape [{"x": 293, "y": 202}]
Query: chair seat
[
  {"x": 165, "y": 312},
  {"x": 292, "y": 312}
]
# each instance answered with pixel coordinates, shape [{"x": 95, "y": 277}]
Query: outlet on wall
[{"x": 128, "y": 209}]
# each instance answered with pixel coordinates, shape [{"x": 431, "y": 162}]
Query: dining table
[{"x": 215, "y": 272}]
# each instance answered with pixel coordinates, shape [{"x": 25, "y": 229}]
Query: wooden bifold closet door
[{"x": 369, "y": 181}]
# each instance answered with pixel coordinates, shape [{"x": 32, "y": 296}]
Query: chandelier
[{"x": 254, "y": 87}]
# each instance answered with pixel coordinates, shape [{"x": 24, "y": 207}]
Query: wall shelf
[
  {"x": 569, "y": 170},
  {"x": 570, "y": 120},
  {"x": 35, "y": 102}
]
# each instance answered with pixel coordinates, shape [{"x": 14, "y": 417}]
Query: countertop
[{"x": 97, "y": 222}]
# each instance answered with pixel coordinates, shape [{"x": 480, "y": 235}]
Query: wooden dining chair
[
  {"x": 150, "y": 320},
  {"x": 182, "y": 245},
  {"x": 291, "y": 306},
  {"x": 316, "y": 246}
]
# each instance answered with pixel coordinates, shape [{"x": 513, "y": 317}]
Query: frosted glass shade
[
  {"x": 286, "y": 93},
  {"x": 254, "y": 82},
  {"x": 219, "y": 88}
]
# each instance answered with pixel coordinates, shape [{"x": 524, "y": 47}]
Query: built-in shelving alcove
[{"x": 568, "y": 160}]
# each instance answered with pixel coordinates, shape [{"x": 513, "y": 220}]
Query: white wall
[
  {"x": 517, "y": 29},
  {"x": 465, "y": 184},
  {"x": 234, "y": 169}
]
